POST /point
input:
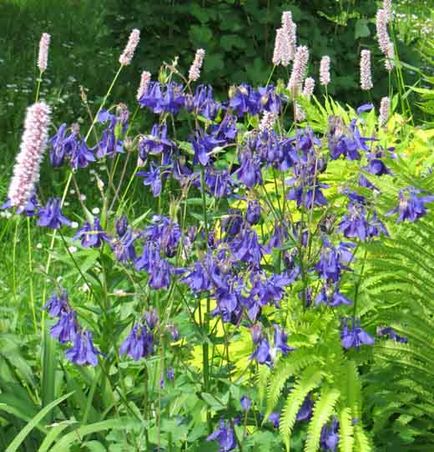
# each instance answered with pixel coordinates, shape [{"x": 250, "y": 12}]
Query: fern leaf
[
  {"x": 346, "y": 431},
  {"x": 309, "y": 380},
  {"x": 292, "y": 365},
  {"x": 362, "y": 442},
  {"x": 322, "y": 412}
]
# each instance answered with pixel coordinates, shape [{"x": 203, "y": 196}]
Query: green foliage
[
  {"x": 399, "y": 292},
  {"x": 320, "y": 368},
  {"x": 238, "y": 37}
]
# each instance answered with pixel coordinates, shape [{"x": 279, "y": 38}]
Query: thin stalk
[
  {"x": 205, "y": 345},
  {"x": 38, "y": 86},
  {"x": 30, "y": 260}
]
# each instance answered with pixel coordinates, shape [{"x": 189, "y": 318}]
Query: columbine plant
[{"x": 220, "y": 230}]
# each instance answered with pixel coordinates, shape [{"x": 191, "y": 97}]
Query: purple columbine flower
[
  {"x": 246, "y": 403},
  {"x": 355, "y": 224},
  {"x": 218, "y": 183},
  {"x": 121, "y": 225},
  {"x": 269, "y": 100},
  {"x": 62, "y": 145},
  {"x": 274, "y": 419},
  {"x": 305, "y": 411},
  {"x": 174, "y": 332},
  {"x": 139, "y": 343},
  {"x": 329, "y": 436},
  {"x": 170, "y": 374},
  {"x": 66, "y": 328},
  {"x": 203, "y": 102},
  {"x": 256, "y": 332},
  {"x": 376, "y": 165},
  {"x": 226, "y": 131},
  {"x": 331, "y": 296},
  {"x": 249, "y": 172},
  {"x": 280, "y": 338},
  {"x": 165, "y": 232},
  {"x": 203, "y": 145},
  {"x": 81, "y": 156},
  {"x": 244, "y": 99},
  {"x": 109, "y": 145},
  {"x": 83, "y": 351},
  {"x": 232, "y": 223},
  {"x": 50, "y": 215},
  {"x": 330, "y": 265},
  {"x": 346, "y": 141},
  {"x": 262, "y": 354},
  {"x": 364, "y": 108},
  {"x": 228, "y": 305},
  {"x": 279, "y": 236},
  {"x": 390, "y": 333},
  {"x": 160, "y": 98},
  {"x": 123, "y": 246},
  {"x": 57, "y": 304},
  {"x": 253, "y": 213},
  {"x": 156, "y": 143},
  {"x": 148, "y": 258},
  {"x": 151, "y": 318},
  {"x": 152, "y": 178},
  {"x": 265, "y": 354},
  {"x": 411, "y": 207},
  {"x": 225, "y": 437},
  {"x": 159, "y": 274},
  {"x": 92, "y": 236},
  {"x": 353, "y": 336},
  {"x": 198, "y": 279},
  {"x": 245, "y": 247},
  {"x": 307, "y": 196}
]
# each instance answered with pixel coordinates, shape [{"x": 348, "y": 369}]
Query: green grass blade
[
  {"x": 48, "y": 369},
  {"x": 79, "y": 433},
  {"x": 15, "y": 444},
  {"x": 53, "y": 434}
]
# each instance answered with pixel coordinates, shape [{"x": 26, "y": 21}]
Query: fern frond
[
  {"x": 308, "y": 381},
  {"x": 322, "y": 412},
  {"x": 346, "y": 430},
  {"x": 262, "y": 378},
  {"x": 362, "y": 442},
  {"x": 285, "y": 368}
]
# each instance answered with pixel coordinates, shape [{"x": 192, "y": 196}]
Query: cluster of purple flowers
[
  {"x": 140, "y": 341},
  {"x": 68, "y": 330},
  {"x": 353, "y": 335}
]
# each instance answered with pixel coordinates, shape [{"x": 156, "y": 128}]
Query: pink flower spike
[
  {"x": 144, "y": 84},
  {"x": 44, "y": 45},
  {"x": 128, "y": 53},
  {"x": 387, "y": 6},
  {"x": 384, "y": 111},
  {"x": 324, "y": 71},
  {"x": 308, "y": 88},
  {"x": 28, "y": 161},
  {"x": 194, "y": 72},
  {"x": 365, "y": 70},
  {"x": 282, "y": 49},
  {"x": 301, "y": 60}
]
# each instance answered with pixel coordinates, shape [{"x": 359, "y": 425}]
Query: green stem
[{"x": 29, "y": 253}]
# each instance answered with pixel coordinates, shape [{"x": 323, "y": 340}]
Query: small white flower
[
  {"x": 84, "y": 288},
  {"x": 72, "y": 249},
  {"x": 95, "y": 210}
]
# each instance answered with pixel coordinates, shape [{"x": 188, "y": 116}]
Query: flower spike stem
[{"x": 65, "y": 192}]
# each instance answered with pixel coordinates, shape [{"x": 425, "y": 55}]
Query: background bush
[{"x": 238, "y": 37}]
